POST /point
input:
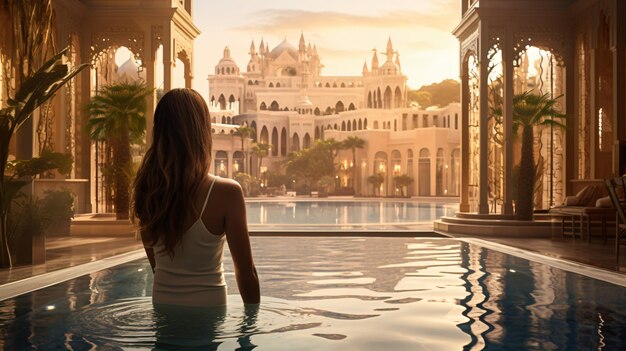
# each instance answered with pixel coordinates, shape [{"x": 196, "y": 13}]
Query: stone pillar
[
  {"x": 619, "y": 88},
  {"x": 483, "y": 203},
  {"x": 593, "y": 104},
  {"x": 464, "y": 131},
  {"x": 168, "y": 59},
  {"x": 231, "y": 165},
  {"x": 507, "y": 159},
  {"x": 150, "y": 71}
]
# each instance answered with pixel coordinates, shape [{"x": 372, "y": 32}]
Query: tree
[
  {"x": 118, "y": 116},
  {"x": 530, "y": 111},
  {"x": 353, "y": 143},
  {"x": 260, "y": 150},
  {"x": 34, "y": 91},
  {"x": 376, "y": 180},
  {"x": 244, "y": 132},
  {"x": 436, "y": 94},
  {"x": 312, "y": 164},
  {"x": 402, "y": 181}
]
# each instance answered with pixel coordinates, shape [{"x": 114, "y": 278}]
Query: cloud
[{"x": 278, "y": 22}]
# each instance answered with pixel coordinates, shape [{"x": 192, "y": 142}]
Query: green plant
[
  {"x": 34, "y": 91},
  {"x": 376, "y": 180},
  {"x": 353, "y": 143},
  {"x": 57, "y": 208},
  {"x": 244, "y": 132},
  {"x": 402, "y": 181},
  {"x": 260, "y": 150},
  {"x": 118, "y": 116},
  {"x": 530, "y": 111}
]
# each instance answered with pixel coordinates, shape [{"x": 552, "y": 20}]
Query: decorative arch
[
  {"x": 222, "y": 102},
  {"x": 360, "y": 125},
  {"x": 283, "y": 142},
  {"x": 253, "y": 126},
  {"x": 317, "y": 111},
  {"x": 295, "y": 142},
  {"x": 398, "y": 97},
  {"x": 274, "y": 106},
  {"x": 387, "y": 99},
  {"x": 274, "y": 141},
  {"x": 306, "y": 141},
  {"x": 351, "y": 107},
  {"x": 339, "y": 107},
  {"x": 263, "y": 106},
  {"x": 264, "y": 138}
]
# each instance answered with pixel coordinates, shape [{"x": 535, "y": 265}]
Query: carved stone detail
[
  {"x": 546, "y": 38},
  {"x": 118, "y": 35}
]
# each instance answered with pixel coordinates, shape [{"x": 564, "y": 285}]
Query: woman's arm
[
  {"x": 147, "y": 245},
  {"x": 236, "y": 228}
]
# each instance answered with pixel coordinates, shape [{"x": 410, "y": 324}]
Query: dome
[
  {"x": 284, "y": 47},
  {"x": 304, "y": 102},
  {"x": 227, "y": 65},
  {"x": 389, "y": 68}
]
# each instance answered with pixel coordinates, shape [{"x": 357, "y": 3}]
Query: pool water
[
  {"x": 364, "y": 214},
  {"x": 336, "y": 294}
]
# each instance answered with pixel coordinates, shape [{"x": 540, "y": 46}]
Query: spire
[
  {"x": 301, "y": 44},
  {"x": 314, "y": 50},
  {"x": 252, "y": 49},
  {"x": 309, "y": 49},
  {"x": 262, "y": 47},
  {"x": 267, "y": 48},
  {"x": 365, "y": 70},
  {"x": 398, "y": 60},
  {"x": 227, "y": 52},
  {"x": 389, "y": 50},
  {"x": 374, "y": 61}
]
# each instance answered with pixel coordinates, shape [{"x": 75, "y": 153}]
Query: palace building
[{"x": 286, "y": 99}]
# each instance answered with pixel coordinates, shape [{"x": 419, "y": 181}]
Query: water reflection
[
  {"x": 337, "y": 294},
  {"x": 345, "y": 212}
]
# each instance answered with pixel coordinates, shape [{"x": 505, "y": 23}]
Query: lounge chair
[
  {"x": 620, "y": 227},
  {"x": 582, "y": 213}
]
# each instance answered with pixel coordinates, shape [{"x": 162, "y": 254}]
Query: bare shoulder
[
  {"x": 227, "y": 184},
  {"x": 227, "y": 187}
]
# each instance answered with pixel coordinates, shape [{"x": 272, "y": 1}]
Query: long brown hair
[{"x": 173, "y": 167}]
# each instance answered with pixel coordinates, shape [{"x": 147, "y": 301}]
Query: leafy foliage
[
  {"x": 34, "y": 91},
  {"x": 436, "y": 94},
  {"x": 118, "y": 116}
]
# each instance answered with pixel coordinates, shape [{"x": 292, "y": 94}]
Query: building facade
[{"x": 286, "y": 99}]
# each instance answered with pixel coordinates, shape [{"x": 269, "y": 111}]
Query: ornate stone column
[
  {"x": 619, "y": 87},
  {"x": 483, "y": 203},
  {"x": 464, "y": 130},
  {"x": 507, "y": 69}
]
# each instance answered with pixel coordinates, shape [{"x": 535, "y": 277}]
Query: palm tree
[
  {"x": 530, "y": 111},
  {"x": 260, "y": 150},
  {"x": 376, "y": 180},
  {"x": 244, "y": 132},
  {"x": 118, "y": 115},
  {"x": 402, "y": 181},
  {"x": 353, "y": 143}
]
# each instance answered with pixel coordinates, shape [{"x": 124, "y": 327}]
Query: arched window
[
  {"x": 351, "y": 107},
  {"x": 223, "y": 119},
  {"x": 398, "y": 98},
  {"x": 278, "y": 84},
  {"x": 339, "y": 107},
  {"x": 274, "y": 142},
  {"x": 365, "y": 123},
  {"x": 349, "y": 126},
  {"x": 328, "y": 111},
  {"x": 343, "y": 126},
  {"x": 369, "y": 99},
  {"x": 334, "y": 85},
  {"x": 295, "y": 142},
  {"x": 222, "y": 102},
  {"x": 439, "y": 190},
  {"x": 264, "y": 135},
  {"x": 253, "y": 126},
  {"x": 354, "y": 124},
  {"x": 317, "y": 111},
  {"x": 271, "y": 85},
  {"x": 343, "y": 85},
  {"x": 283, "y": 142},
  {"x": 274, "y": 106},
  {"x": 327, "y": 85},
  {"x": 221, "y": 163},
  {"x": 423, "y": 172},
  {"x": 306, "y": 141},
  {"x": 387, "y": 98},
  {"x": 238, "y": 162},
  {"x": 360, "y": 124},
  {"x": 317, "y": 133}
]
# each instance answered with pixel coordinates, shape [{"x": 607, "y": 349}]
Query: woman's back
[{"x": 195, "y": 274}]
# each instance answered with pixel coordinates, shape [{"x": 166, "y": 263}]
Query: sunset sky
[{"x": 345, "y": 33}]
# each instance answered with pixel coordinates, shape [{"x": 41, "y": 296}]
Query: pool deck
[{"x": 64, "y": 252}]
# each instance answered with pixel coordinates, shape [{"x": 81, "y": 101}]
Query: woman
[{"x": 185, "y": 214}]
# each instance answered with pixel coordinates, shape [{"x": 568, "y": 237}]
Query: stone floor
[{"x": 75, "y": 250}]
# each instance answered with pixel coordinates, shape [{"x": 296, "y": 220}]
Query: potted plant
[{"x": 57, "y": 211}]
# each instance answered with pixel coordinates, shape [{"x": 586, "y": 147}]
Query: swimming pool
[
  {"x": 303, "y": 214},
  {"x": 345, "y": 293}
]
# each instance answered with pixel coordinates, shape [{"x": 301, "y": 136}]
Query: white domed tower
[
  {"x": 389, "y": 68},
  {"x": 226, "y": 85}
]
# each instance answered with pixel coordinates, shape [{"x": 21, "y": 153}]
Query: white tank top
[{"x": 195, "y": 276}]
